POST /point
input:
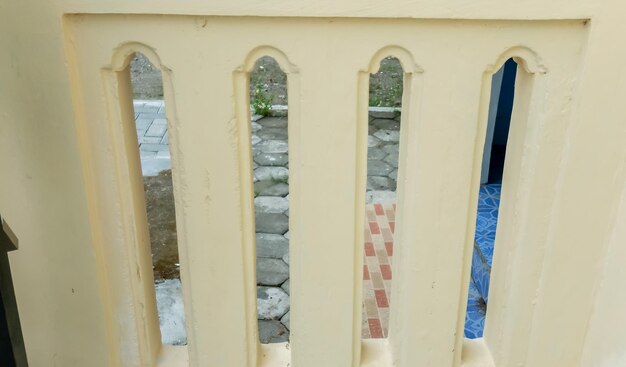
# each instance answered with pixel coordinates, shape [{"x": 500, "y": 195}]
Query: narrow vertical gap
[
  {"x": 154, "y": 152},
  {"x": 270, "y": 156},
  {"x": 500, "y": 109},
  {"x": 6, "y": 347},
  {"x": 12, "y": 351},
  {"x": 385, "y": 101}
]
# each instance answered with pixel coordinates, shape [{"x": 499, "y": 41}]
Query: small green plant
[{"x": 261, "y": 101}]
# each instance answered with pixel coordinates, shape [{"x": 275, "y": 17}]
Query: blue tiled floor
[
  {"x": 487, "y": 218},
  {"x": 486, "y": 221},
  {"x": 475, "y": 316}
]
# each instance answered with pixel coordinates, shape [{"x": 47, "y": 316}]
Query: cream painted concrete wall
[
  {"x": 605, "y": 342},
  {"x": 70, "y": 184},
  {"x": 43, "y": 195},
  {"x": 606, "y": 336}
]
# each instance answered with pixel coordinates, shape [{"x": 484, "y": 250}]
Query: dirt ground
[
  {"x": 385, "y": 86},
  {"x": 162, "y": 224},
  {"x": 145, "y": 78}
]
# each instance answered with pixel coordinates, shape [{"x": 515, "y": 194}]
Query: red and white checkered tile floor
[{"x": 378, "y": 254}]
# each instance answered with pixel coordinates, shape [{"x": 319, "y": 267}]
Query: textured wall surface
[{"x": 70, "y": 179}]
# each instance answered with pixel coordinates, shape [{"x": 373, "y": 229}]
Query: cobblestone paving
[{"x": 152, "y": 136}]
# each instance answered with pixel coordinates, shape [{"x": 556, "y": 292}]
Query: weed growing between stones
[{"x": 261, "y": 101}]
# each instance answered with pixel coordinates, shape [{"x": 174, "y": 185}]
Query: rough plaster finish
[{"x": 82, "y": 273}]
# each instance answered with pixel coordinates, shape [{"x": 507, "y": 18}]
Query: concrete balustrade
[{"x": 83, "y": 273}]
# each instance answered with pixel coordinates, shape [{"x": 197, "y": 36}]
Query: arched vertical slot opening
[
  {"x": 492, "y": 173},
  {"x": 386, "y": 87},
  {"x": 270, "y": 164},
  {"x": 155, "y": 186}
]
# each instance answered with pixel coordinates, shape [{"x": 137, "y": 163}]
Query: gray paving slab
[
  {"x": 285, "y": 319},
  {"x": 278, "y": 174},
  {"x": 272, "y": 133},
  {"x": 372, "y": 141},
  {"x": 143, "y": 123},
  {"x": 386, "y": 124},
  {"x": 271, "y": 188},
  {"x": 163, "y": 154},
  {"x": 274, "y": 146},
  {"x": 149, "y": 115},
  {"x": 272, "y": 332},
  {"x": 271, "y": 245},
  {"x": 274, "y": 122},
  {"x": 169, "y": 298},
  {"x": 147, "y": 109},
  {"x": 388, "y": 135},
  {"x": 156, "y": 130},
  {"x": 272, "y": 303},
  {"x": 270, "y": 204},
  {"x": 392, "y": 159},
  {"x": 271, "y": 159},
  {"x": 376, "y": 153},
  {"x": 383, "y": 114},
  {"x": 380, "y": 183},
  {"x": 255, "y": 127},
  {"x": 391, "y": 149},
  {"x": 276, "y": 223},
  {"x": 378, "y": 168},
  {"x": 147, "y": 155},
  {"x": 149, "y": 140},
  {"x": 153, "y": 147},
  {"x": 272, "y": 272}
]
